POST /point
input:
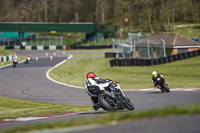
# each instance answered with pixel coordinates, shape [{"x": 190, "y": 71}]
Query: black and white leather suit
[{"x": 94, "y": 85}]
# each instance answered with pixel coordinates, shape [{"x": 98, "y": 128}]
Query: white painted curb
[
  {"x": 47, "y": 74},
  {"x": 30, "y": 118}
]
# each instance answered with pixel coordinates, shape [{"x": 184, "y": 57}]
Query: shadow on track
[
  {"x": 95, "y": 112},
  {"x": 155, "y": 92},
  {"x": 101, "y": 111}
]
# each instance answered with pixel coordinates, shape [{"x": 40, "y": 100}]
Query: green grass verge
[
  {"x": 11, "y": 108},
  {"x": 189, "y": 30},
  {"x": 179, "y": 74},
  {"x": 5, "y": 52},
  {"x": 111, "y": 117},
  {"x": 192, "y": 30}
]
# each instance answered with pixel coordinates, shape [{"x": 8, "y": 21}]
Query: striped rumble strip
[{"x": 20, "y": 119}]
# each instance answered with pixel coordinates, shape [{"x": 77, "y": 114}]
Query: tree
[
  {"x": 45, "y": 10},
  {"x": 161, "y": 16},
  {"x": 173, "y": 18},
  {"x": 144, "y": 14},
  {"x": 102, "y": 11}
]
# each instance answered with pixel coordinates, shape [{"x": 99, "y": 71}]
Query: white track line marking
[
  {"x": 47, "y": 74},
  {"x": 30, "y": 118}
]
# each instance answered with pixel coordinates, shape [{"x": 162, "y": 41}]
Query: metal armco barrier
[{"x": 151, "y": 62}]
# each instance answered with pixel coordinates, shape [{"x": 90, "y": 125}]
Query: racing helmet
[
  {"x": 154, "y": 72},
  {"x": 91, "y": 74}
]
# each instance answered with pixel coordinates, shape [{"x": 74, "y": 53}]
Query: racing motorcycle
[
  {"x": 28, "y": 59},
  {"x": 113, "y": 99},
  {"x": 162, "y": 85},
  {"x": 15, "y": 62}
]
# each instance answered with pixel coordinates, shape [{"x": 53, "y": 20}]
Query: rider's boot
[
  {"x": 159, "y": 86},
  {"x": 96, "y": 106}
]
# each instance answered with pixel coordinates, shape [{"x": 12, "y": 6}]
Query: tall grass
[
  {"x": 11, "y": 108},
  {"x": 5, "y": 52}
]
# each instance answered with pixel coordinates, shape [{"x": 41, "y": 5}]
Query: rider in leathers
[
  {"x": 155, "y": 76},
  {"x": 93, "y": 82},
  {"x": 15, "y": 60}
]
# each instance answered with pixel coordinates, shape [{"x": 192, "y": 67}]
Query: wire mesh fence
[
  {"x": 150, "y": 48},
  {"x": 126, "y": 47},
  {"x": 122, "y": 46},
  {"x": 139, "y": 47}
]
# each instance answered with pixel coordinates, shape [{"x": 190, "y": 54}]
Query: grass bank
[
  {"x": 110, "y": 118},
  {"x": 11, "y": 108},
  {"x": 10, "y": 52},
  {"x": 5, "y": 52},
  {"x": 179, "y": 74}
]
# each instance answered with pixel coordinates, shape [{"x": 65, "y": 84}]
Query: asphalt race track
[{"x": 28, "y": 81}]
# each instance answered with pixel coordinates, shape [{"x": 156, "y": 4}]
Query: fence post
[
  {"x": 164, "y": 47},
  {"x": 62, "y": 40},
  {"x": 148, "y": 48},
  {"x": 113, "y": 45},
  {"x": 56, "y": 42},
  {"x": 31, "y": 41}
]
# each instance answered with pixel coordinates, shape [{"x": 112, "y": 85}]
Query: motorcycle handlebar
[{"x": 117, "y": 82}]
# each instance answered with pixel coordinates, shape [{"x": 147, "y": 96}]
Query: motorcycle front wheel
[
  {"x": 104, "y": 104},
  {"x": 129, "y": 105},
  {"x": 165, "y": 87}
]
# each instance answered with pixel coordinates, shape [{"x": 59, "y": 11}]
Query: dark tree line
[{"x": 144, "y": 14}]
